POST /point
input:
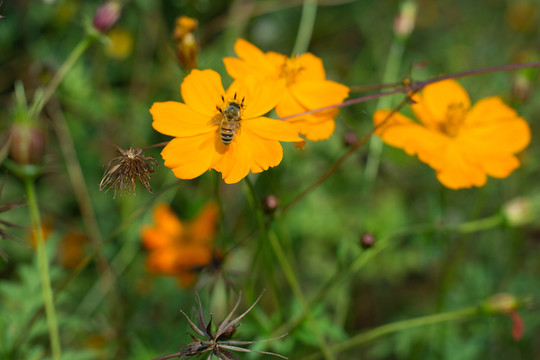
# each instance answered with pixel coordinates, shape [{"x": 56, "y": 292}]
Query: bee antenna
[
  {"x": 222, "y": 98},
  {"x": 218, "y": 108},
  {"x": 234, "y": 96}
]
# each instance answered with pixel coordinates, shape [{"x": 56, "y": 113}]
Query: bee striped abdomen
[{"x": 226, "y": 135}]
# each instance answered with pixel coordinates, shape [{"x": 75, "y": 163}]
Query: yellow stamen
[{"x": 454, "y": 118}]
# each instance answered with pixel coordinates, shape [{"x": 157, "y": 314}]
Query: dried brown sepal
[
  {"x": 217, "y": 342},
  {"x": 122, "y": 171}
]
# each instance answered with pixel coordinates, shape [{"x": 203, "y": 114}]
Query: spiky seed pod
[{"x": 122, "y": 171}]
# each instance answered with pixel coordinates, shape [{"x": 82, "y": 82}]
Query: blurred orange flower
[
  {"x": 306, "y": 86},
  {"x": 72, "y": 249},
  {"x": 178, "y": 249},
  {"x": 222, "y": 130},
  {"x": 461, "y": 143}
]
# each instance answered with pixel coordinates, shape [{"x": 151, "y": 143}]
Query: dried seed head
[
  {"x": 217, "y": 343},
  {"x": 122, "y": 171}
]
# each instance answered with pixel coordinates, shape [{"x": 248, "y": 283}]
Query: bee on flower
[
  {"x": 306, "y": 87},
  {"x": 462, "y": 143},
  {"x": 222, "y": 130}
]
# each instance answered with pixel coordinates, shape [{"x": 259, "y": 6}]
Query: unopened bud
[
  {"x": 404, "y": 21},
  {"x": 187, "y": 46},
  {"x": 270, "y": 204},
  {"x": 521, "y": 87},
  {"x": 107, "y": 15},
  {"x": 350, "y": 138},
  {"x": 521, "y": 211},
  {"x": 501, "y": 304},
  {"x": 367, "y": 240},
  {"x": 27, "y": 144}
]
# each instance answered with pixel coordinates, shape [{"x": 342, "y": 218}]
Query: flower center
[
  {"x": 453, "y": 119},
  {"x": 290, "y": 69}
]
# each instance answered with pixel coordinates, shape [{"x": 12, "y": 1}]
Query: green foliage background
[{"x": 105, "y": 101}]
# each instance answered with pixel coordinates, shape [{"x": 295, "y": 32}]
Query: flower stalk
[
  {"x": 43, "y": 269},
  {"x": 364, "y": 337},
  {"x": 305, "y": 30},
  {"x": 391, "y": 73},
  {"x": 80, "y": 48}
]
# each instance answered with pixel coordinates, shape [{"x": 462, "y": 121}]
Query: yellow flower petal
[
  {"x": 271, "y": 129},
  {"x": 189, "y": 157},
  {"x": 402, "y": 132},
  {"x": 432, "y": 106},
  {"x": 317, "y": 94},
  {"x": 264, "y": 153},
  {"x": 252, "y": 62},
  {"x": 232, "y": 161},
  {"x": 261, "y": 97},
  {"x": 496, "y": 165},
  {"x": 202, "y": 91},
  {"x": 320, "y": 130},
  {"x": 458, "y": 172},
  {"x": 177, "y": 119},
  {"x": 493, "y": 127},
  {"x": 312, "y": 68}
]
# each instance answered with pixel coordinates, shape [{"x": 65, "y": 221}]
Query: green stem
[
  {"x": 295, "y": 286},
  {"x": 286, "y": 266},
  {"x": 391, "y": 73},
  {"x": 305, "y": 30},
  {"x": 377, "y": 332},
  {"x": 480, "y": 224},
  {"x": 43, "y": 269},
  {"x": 79, "y": 49}
]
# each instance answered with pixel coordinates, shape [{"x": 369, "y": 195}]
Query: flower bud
[
  {"x": 367, "y": 240},
  {"x": 521, "y": 87},
  {"x": 27, "y": 144},
  {"x": 522, "y": 211},
  {"x": 350, "y": 138},
  {"x": 404, "y": 21},
  {"x": 187, "y": 46},
  {"x": 107, "y": 15},
  {"x": 270, "y": 204},
  {"x": 502, "y": 303}
]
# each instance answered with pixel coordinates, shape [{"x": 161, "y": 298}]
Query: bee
[{"x": 228, "y": 120}]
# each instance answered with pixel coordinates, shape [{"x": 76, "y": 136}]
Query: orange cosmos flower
[
  {"x": 306, "y": 86},
  {"x": 222, "y": 130},
  {"x": 178, "y": 249},
  {"x": 463, "y": 143}
]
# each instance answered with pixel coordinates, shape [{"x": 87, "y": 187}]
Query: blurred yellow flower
[
  {"x": 120, "y": 44},
  {"x": 222, "y": 130},
  {"x": 306, "y": 87},
  {"x": 178, "y": 249},
  {"x": 462, "y": 143}
]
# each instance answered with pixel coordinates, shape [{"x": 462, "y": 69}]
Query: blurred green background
[{"x": 105, "y": 99}]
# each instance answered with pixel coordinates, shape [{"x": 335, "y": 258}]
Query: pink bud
[{"x": 107, "y": 15}]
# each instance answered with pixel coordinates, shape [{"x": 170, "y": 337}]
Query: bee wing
[{"x": 216, "y": 120}]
